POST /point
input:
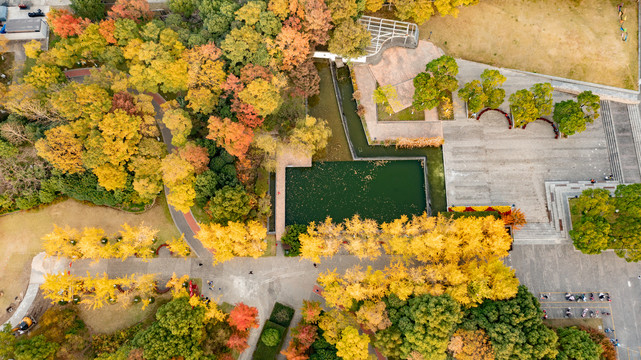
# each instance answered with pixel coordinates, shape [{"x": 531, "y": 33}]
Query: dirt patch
[
  {"x": 21, "y": 234},
  {"x": 575, "y": 39},
  {"x": 111, "y": 318},
  {"x": 593, "y": 323}
]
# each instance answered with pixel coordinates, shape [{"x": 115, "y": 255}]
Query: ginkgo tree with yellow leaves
[
  {"x": 99, "y": 290},
  {"x": 93, "y": 243},
  {"x": 233, "y": 239},
  {"x": 460, "y": 257}
]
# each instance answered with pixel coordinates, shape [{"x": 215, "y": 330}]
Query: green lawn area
[
  {"x": 200, "y": 215},
  {"x": 574, "y": 218},
  {"x": 407, "y": 114},
  {"x": 21, "y": 234},
  {"x": 271, "y": 246},
  {"x": 593, "y": 323}
]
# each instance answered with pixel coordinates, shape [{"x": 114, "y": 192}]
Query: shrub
[
  {"x": 270, "y": 337},
  {"x": 262, "y": 182},
  {"x": 291, "y": 238},
  {"x": 282, "y": 314}
]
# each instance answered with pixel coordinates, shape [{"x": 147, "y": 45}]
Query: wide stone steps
[
  {"x": 611, "y": 139},
  {"x": 635, "y": 123},
  {"x": 537, "y": 233}
]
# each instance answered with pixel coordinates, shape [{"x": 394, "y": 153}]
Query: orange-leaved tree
[
  {"x": 136, "y": 10},
  {"x": 243, "y": 317},
  {"x": 232, "y": 136},
  {"x": 65, "y": 24}
]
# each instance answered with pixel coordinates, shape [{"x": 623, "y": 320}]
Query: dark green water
[
  {"x": 379, "y": 190},
  {"x": 325, "y": 106}
]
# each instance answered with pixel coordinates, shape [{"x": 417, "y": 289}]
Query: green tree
[
  {"x": 349, "y": 39},
  {"x": 7, "y": 342},
  {"x": 229, "y": 204},
  {"x": 491, "y": 80},
  {"x": 93, "y": 10},
  {"x": 35, "y": 348},
  {"x": 593, "y": 202},
  {"x": 436, "y": 82},
  {"x": 177, "y": 332},
  {"x": 182, "y": 7},
  {"x": 389, "y": 342},
  {"x": 626, "y": 230},
  {"x": 426, "y": 322},
  {"x": 515, "y": 327},
  {"x": 472, "y": 93},
  {"x": 573, "y": 116},
  {"x": 529, "y": 105},
  {"x": 576, "y": 344},
  {"x": 591, "y": 235}
]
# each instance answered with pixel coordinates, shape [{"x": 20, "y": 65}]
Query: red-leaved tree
[
  {"x": 64, "y": 24},
  {"x": 251, "y": 72},
  {"x": 237, "y": 341},
  {"x": 243, "y": 317},
  {"x": 196, "y": 155},
  {"x": 306, "y": 80},
  {"x": 124, "y": 101},
  {"x": 136, "y": 10}
]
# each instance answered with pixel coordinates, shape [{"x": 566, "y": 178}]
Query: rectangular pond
[{"x": 381, "y": 190}]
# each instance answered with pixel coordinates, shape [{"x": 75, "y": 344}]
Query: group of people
[{"x": 622, "y": 18}]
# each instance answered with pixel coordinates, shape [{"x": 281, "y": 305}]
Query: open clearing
[
  {"x": 577, "y": 39},
  {"x": 111, "y": 318},
  {"x": 21, "y": 234}
]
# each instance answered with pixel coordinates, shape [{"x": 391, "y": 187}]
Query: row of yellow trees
[
  {"x": 433, "y": 255},
  {"x": 97, "y": 291},
  {"x": 93, "y": 243}
]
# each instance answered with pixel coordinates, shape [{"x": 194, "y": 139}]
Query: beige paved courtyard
[{"x": 487, "y": 164}]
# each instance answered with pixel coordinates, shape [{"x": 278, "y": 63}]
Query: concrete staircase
[
  {"x": 611, "y": 139},
  {"x": 537, "y": 233},
  {"x": 635, "y": 123}
]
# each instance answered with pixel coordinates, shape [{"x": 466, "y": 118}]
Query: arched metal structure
[{"x": 386, "y": 33}]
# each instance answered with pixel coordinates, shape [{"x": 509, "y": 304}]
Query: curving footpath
[{"x": 185, "y": 222}]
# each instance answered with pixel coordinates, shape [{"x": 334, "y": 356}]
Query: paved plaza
[{"x": 488, "y": 164}]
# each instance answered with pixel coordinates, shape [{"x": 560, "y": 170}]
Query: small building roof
[{"x": 23, "y": 25}]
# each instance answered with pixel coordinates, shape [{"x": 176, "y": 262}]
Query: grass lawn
[
  {"x": 573, "y": 217},
  {"x": 21, "y": 234},
  {"x": 593, "y": 323},
  {"x": 404, "y": 115},
  {"x": 200, "y": 215},
  {"x": 271, "y": 246},
  {"x": 111, "y": 318},
  {"x": 577, "y": 39}
]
